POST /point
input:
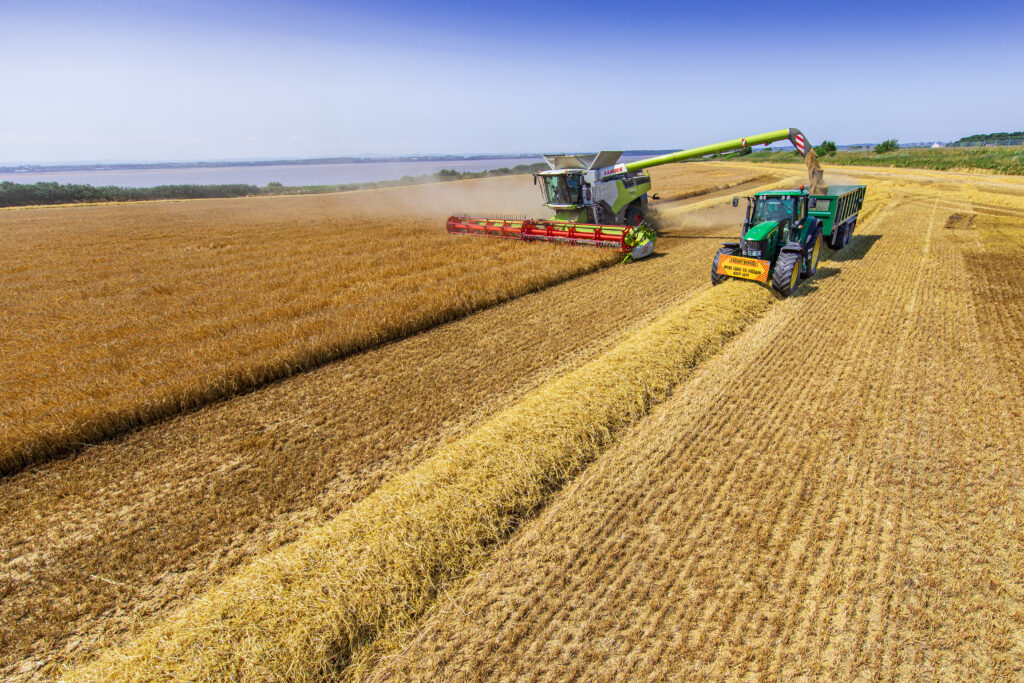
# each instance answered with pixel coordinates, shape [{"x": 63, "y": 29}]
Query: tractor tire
[
  {"x": 716, "y": 278},
  {"x": 809, "y": 263},
  {"x": 634, "y": 216},
  {"x": 787, "y": 272}
]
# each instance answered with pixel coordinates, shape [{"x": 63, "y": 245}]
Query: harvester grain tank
[
  {"x": 783, "y": 234},
  {"x": 600, "y": 201}
]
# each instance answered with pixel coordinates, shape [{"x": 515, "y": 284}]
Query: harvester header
[{"x": 591, "y": 192}]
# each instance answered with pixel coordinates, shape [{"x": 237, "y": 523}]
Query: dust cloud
[{"x": 485, "y": 197}]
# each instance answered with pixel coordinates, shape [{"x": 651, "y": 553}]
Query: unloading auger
[{"x": 601, "y": 202}]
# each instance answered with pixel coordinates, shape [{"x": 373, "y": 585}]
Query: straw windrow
[{"x": 303, "y": 612}]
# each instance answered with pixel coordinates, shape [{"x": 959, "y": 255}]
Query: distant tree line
[
  {"x": 17, "y": 194},
  {"x": 991, "y": 137}
]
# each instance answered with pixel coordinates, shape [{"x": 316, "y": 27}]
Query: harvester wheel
[
  {"x": 716, "y": 278},
  {"x": 634, "y": 216},
  {"x": 809, "y": 264},
  {"x": 787, "y": 272}
]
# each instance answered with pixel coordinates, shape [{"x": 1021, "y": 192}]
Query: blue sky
[{"x": 195, "y": 80}]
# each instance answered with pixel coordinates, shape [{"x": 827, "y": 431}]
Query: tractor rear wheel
[
  {"x": 809, "y": 264},
  {"x": 716, "y": 278},
  {"x": 787, "y": 272}
]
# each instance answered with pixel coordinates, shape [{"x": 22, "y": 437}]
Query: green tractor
[{"x": 783, "y": 234}]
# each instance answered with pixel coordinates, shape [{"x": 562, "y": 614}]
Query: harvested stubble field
[
  {"x": 835, "y": 494},
  {"x": 135, "y": 525}
]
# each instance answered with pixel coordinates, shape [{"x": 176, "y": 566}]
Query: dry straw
[
  {"x": 115, "y": 317},
  {"x": 304, "y": 612}
]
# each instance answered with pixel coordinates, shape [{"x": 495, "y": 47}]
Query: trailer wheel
[
  {"x": 835, "y": 240},
  {"x": 809, "y": 264},
  {"x": 716, "y": 278},
  {"x": 787, "y": 272},
  {"x": 841, "y": 236}
]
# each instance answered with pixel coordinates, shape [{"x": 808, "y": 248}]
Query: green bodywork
[
  {"x": 762, "y": 230},
  {"x": 838, "y": 205},
  {"x": 630, "y": 194},
  {"x": 571, "y": 214}
]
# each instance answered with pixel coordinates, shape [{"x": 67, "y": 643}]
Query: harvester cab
[
  {"x": 594, "y": 188},
  {"x": 601, "y": 201}
]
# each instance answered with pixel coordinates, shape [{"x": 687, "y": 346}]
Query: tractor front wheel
[
  {"x": 809, "y": 265},
  {"x": 787, "y": 272},
  {"x": 716, "y": 277}
]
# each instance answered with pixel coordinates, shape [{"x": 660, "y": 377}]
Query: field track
[
  {"x": 345, "y": 587},
  {"x": 837, "y": 495},
  {"x": 850, "y": 510},
  {"x": 135, "y": 525}
]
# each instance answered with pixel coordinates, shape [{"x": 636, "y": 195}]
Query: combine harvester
[
  {"x": 783, "y": 233},
  {"x": 600, "y": 202}
]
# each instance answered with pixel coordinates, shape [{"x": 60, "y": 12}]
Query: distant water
[{"x": 286, "y": 174}]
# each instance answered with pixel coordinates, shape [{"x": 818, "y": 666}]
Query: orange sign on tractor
[{"x": 746, "y": 268}]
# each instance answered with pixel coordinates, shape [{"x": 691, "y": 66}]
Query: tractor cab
[
  {"x": 775, "y": 213},
  {"x": 773, "y": 209},
  {"x": 773, "y": 218}
]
